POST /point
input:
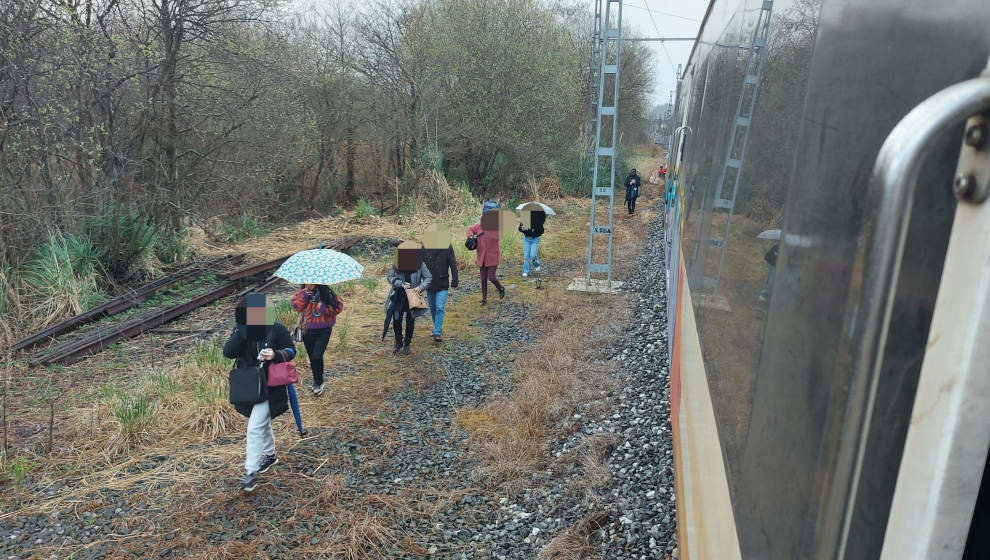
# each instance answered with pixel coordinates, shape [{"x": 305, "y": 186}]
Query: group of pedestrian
[{"x": 420, "y": 277}]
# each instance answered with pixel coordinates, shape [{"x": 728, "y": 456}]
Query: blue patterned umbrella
[{"x": 319, "y": 266}]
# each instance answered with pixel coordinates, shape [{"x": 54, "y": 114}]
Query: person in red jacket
[
  {"x": 486, "y": 231},
  {"x": 319, "y": 307}
]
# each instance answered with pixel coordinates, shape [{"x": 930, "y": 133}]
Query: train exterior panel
[{"x": 769, "y": 273}]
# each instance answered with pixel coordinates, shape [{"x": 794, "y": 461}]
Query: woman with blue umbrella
[{"x": 318, "y": 305}]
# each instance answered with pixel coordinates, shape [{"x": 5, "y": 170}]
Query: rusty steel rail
[
  {"x": 122, "y": 302},
  {"x": 73, "y": 351}
]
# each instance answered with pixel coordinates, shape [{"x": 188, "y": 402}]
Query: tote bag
[{"x": 416, "y": 299}]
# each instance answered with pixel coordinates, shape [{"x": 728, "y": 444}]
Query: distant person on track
[
  {"x": 318, "y": 307},
  {"x": 531, "y": 240},
  {"x": 632, "y": 183},
  {"x": 486, "y": 234},
  {"x": 438, "y": 256},
  {"x": 407, "y": 273},
  {"x": 258, "y": 337}
]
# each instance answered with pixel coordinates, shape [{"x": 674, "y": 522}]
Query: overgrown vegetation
[{"x": 260, "y": 111}]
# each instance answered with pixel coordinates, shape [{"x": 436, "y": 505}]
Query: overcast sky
[{"x": 671, "y": 18}]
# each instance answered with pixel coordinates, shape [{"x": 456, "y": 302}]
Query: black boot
[
  {"x": 406, "y": 351},
  {"x": 396, "y": 348}
]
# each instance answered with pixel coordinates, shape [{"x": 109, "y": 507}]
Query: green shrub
[
  {"x": 209, "y": 357},
  {"x": 163, "y": 384},
  {"x": 173, "y": 247},
  {"x": 133, "y": 411},
  {"x": 123, "y": 238},
  {"x": 61, "y": 277},
  {"x": 17, "y": 470},
  {"x": 245, "y": 227},
  {"x": 364, "y": 208}
]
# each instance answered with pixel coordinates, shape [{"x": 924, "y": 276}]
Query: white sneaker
[
  {"x": 525, "y": 275},
  {"x": 536, "y": 268},
  {"x": 317, "y": 389}
]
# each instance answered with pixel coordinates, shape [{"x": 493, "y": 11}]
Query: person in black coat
[
  {"x": 255, "y": 339},
  {"x": 438, "y": 256},
  {"x": 632, "y": 183}
]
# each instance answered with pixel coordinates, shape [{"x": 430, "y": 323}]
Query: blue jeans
[
  {"x": 530, "y": 247},
  {"x": 437, "y": 300}
]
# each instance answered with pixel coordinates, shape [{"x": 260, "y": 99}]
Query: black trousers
[
  {"x": 315, "y": 341},
  {"x": 631, "y": 204},
  {"x": 397, "y": 327}
]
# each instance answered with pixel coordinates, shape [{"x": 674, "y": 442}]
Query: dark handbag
[
  {"x": 471, "y": 243},
  {"x": 247, "y": 385}
]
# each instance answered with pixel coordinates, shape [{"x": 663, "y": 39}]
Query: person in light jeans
[
  {"x": 438, "y": 256},
  {"x": 531, "y": 239},
  {"x": 257, "y": 337}
]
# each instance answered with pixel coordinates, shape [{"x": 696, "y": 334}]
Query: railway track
[
  {"x": 123, "y": 302},
  {"x": 72, "y": 351}
]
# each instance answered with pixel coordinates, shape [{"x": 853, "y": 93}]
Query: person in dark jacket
[
  {"x": 633, "y": 182},
  {"x": 319, "y": 307},
  {"x": 408, "y": 272},
  {"x": 438, "y": 256},
  {"x": 771, "y": 258},
  {"x": 257, "y": 337},
  {"x": 531, "y": 239}
]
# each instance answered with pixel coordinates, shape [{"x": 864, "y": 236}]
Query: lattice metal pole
[
  {"x": 736, "y": 150},
  {"x": 594, "y": 83},
  {"x": 611, "y": 40}
]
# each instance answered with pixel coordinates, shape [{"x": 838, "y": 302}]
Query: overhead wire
[
  {"x": 696, "y": 20},
  {"x": 659, "y": 34}
]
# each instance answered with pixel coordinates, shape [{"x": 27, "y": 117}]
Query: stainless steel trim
[{"x": 895, "y": 176}]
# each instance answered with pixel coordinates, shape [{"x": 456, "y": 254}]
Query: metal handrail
[{"x": 895, "y": 177}]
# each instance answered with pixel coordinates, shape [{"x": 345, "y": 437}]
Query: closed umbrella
[
  {"x": 536, "y": 206},
  {"x": 294, "y": 402},
  {"x": 319, "y": 266}
]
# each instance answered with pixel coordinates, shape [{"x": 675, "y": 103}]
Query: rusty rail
[
  {"x": 122, "y": 302},
  {"x": 75, "y": 350}
]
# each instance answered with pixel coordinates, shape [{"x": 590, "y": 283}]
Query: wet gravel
[{"x": 414, "y": 446}]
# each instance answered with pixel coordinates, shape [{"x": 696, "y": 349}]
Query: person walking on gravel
[
  {"x": 438, "y": 256},
  {"x": 486, "y": 234},
  {"x": 531, "y": 240},
  {"x": 318, "y": 307},
  {"x": 632, "y": 183},
  {"x": 407, "y": 273},
  {"x": 257, "y": 337}
]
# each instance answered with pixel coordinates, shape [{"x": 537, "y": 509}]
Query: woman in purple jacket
[{"x": 319, "y": 307}]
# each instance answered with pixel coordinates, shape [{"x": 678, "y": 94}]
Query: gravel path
[
  {"x": 633, "y": 510},
  {"x": 413, "y": 449}
]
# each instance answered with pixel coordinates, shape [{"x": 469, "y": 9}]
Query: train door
[{"x": 943, "y": 468}]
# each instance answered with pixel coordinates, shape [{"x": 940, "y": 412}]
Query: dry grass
[
  {"x": 544, "y": 189},
  {"x": 558, "y": 375},
  {"x": 575, "y": 542}
]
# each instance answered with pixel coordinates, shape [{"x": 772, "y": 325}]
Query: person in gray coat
[{"x": 408, "y": 272}]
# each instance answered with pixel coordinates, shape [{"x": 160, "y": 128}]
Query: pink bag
[{"x": 282, "y": 373}]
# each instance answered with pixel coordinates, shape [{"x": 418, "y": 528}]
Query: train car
[{"x": 828, "y": 258}]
